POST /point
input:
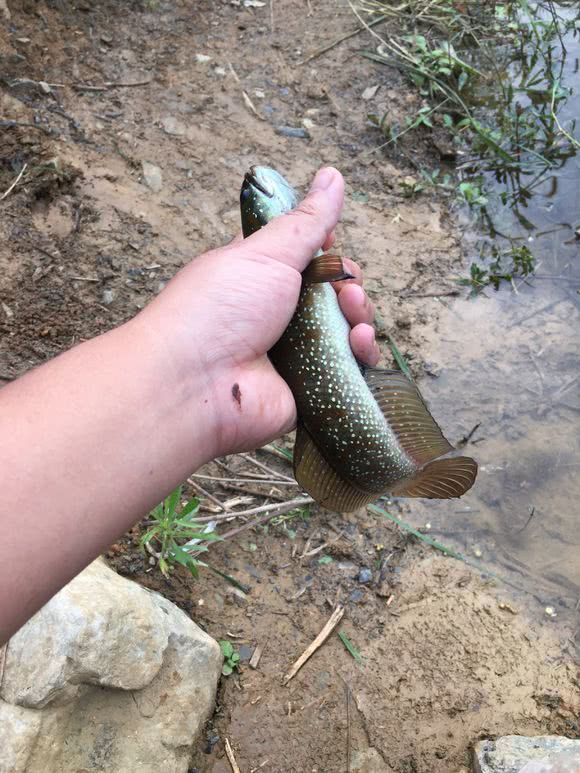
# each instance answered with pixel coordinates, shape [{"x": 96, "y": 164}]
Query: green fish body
[{"x": 362, "y": 432}]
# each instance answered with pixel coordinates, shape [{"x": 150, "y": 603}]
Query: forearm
[{"x": 90, "y": 442}]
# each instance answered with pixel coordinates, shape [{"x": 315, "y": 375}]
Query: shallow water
[{"x": 510, "y": 363}]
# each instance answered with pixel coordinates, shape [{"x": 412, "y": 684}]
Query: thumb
[{"x": 295, "y": 237}]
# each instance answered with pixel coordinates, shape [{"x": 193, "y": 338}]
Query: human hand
[{"x": 224, "y": 311}]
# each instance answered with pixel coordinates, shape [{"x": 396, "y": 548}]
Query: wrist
[{"x": 178, "y": 390}]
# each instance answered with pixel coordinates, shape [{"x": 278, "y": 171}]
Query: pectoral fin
[
  {"x": 441, "y": 479},
  {"x": 408, "y": 417},
  {"x": 317, "y": 477},
  {"x": 325, "y": 268}
]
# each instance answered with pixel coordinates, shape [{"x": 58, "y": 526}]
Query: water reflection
[{"x": 511, "y": 363}]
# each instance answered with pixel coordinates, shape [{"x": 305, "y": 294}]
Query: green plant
[
  {"x": 505, "y": 265},
  {"x": 174, "y": 532},
  {"x": 231, "y": 657}
]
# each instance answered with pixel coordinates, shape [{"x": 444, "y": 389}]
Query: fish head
[{"x": 265, "y": 194}]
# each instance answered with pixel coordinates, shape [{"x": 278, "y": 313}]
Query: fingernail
[{"x": 323, "y": 180}]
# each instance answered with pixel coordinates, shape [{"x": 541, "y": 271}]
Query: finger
[
  {"x": 352, "y": 268},
  {"x": 363, "y": 344},
  {"x": 293, "y": 238},
  {"x": 329, "y": 241},
  {"x": 356, "y": 305}
]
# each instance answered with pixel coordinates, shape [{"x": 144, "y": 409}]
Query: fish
[{"x": 362, "y": 432}]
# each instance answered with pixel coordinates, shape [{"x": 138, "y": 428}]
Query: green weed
[
  {"x": 505, "y": 266},
  {"x": 174, "y": 531},
  {"x": 231, "y": 657}
]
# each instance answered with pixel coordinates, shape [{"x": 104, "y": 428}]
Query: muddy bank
[{"x": 89, "y": 234}]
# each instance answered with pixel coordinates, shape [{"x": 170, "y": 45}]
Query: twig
[
  {"x": 108, "y": 85},
  {"x": 314, "y": 551},
  {"x": 15, "y": 183},
  {"x": 265, "y": 468},
  {"x": 285, "y": 507},
  {"x": 231, "y": 758},
  {"x": 254, "y": 491},
  {"x": 333, "y": 621},
  {"x": 257, "y": 479},
  {"x": 257, "y": 654},
  {"x": 205, "y": 493},
  {"x": 340, "y": 40}
]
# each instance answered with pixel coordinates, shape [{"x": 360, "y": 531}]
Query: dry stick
[
  {"x": 267, "y": 469},
  {"x": 206, "y": 494},
  {"x": 15, "y": 183},
  {"x": 333, "y": 621},
  {"x": 257, "y": 654},
  {"x": 347, "y": 695},
  {"x": 108, "y": 85},
  {"x": 248, "y": 479},
  {"x": 340, "y": 40},
  {"x": 254, "y": 491},
  {"x": 231, "y": 758},
  {"x": 291, "y": 504}
]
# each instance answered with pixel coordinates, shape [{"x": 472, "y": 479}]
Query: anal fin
[
  {"x": 317, "y": 477},
  {"x": 440, "y": 479},
  {"x": 325, "y": 268}
]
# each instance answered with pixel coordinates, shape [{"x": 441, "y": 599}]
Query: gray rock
[
  {"x": 107, "y": 676},
  {"x": 365, "y": 575},
  {"x": 293, "y": 131},
  {"x": 171, "y": 125},
  {"x": 152, "y": 176},
  {"x": 524, "y": 754}
]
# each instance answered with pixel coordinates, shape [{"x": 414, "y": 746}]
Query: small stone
[
  {"x": 293, "y": 131},
  {"x": 550, "y": 612},
  {"x": 245, "y": 652},
  {"x": 108, "y": 297},
  {"x": 308, "y": 123},
  {"x": 477, "y": 552},
  {"x": 532, "y": 754},
  {"x": 356, "y": 596},
  {"x": 202, "y": 58},
  {"x": 152, "y": 176},
  {"x": 370, "y": 92},
  {"x": 365, "y": 575},
  {"x": 172, "y": 126}
]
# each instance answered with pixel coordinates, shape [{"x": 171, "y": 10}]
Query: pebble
[
  {"x": 108, "y": 297},
  {"x": 152, "y": 176},
  {"x": 365, "y": 575},
  {"x": 293, "y": 131},
  {"x": 356, "y": 596}
]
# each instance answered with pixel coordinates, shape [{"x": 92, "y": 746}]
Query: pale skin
[{"x": 92, "y": 440}]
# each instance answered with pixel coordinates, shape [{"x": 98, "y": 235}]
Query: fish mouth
[{"x": 251, "y": 179}]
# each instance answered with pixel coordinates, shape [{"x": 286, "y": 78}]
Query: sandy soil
[{"x": 85, "y": 242}]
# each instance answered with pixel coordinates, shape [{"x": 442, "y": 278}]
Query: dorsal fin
[
  {"x": 441, "y": 479},
  {"x": 317, "y": 477},
  {"x": 407, "y": 415},
  {"x": 325, "y": 268}
]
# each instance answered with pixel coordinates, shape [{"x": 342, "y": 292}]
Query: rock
[
  {"x": 107, "y": 676},
  {"x": 365, "y": 575},
  {"x": 524, "y": 754},
  {"x": 293, "y": 131},
  {"x": 172, "y": 126},
  {"x": 152, "y": 176}
]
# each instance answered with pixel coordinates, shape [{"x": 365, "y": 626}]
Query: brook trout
[{"x": 362, "y": 432}]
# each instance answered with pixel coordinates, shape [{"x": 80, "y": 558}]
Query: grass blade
[
  {"x": 350, "y": 646},
  {"x": 399, "y": 359}
]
